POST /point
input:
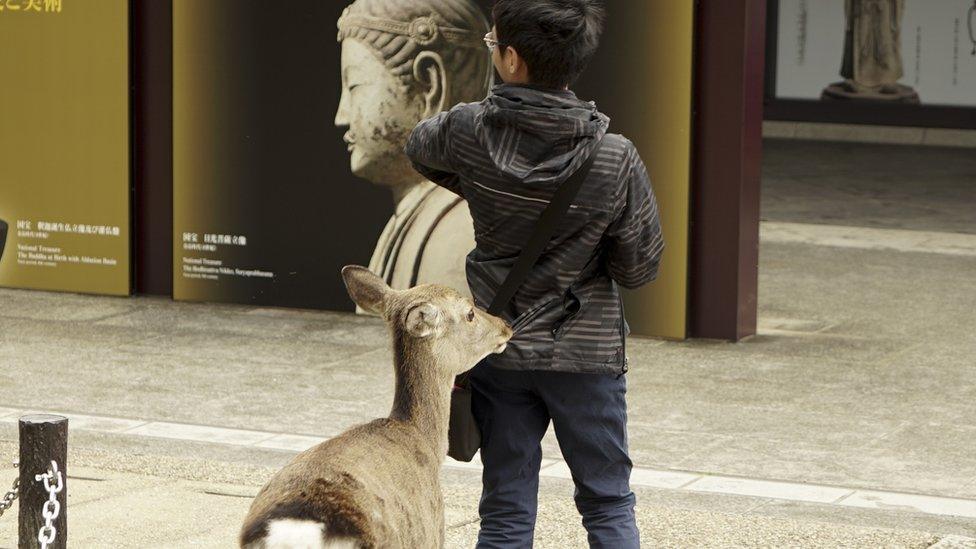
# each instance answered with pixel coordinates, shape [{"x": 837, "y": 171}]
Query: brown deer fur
[{"x": 378, "y": 485}]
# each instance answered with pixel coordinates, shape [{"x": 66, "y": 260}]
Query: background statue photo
[
  {"x": 971, "y": 25},
  {"x": 404, "y": 61},
  {"x": 872, "y": 63}
]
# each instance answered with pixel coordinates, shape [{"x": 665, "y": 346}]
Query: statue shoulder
[
  {"x": 449, "y": 239},
  {"x": 452, "y": 214}
]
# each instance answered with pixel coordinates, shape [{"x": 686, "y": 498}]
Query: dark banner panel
[
  {"x": 64, "y": 145},
  {"x": 266, "y": 209},
  {"x": 289, "y": 126}
]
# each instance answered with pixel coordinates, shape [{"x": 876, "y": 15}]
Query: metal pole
[{"x": 43, "y": 438}]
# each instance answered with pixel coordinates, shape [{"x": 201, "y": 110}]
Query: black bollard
[{"x": 43, "y": 438}]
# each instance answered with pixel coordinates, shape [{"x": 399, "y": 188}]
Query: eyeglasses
[{"x": 491, "y": 41}]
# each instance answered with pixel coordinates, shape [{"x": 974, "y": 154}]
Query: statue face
[{"x": 379, "y": 112}]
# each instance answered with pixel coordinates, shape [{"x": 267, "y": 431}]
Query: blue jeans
[{"x": 589, "y": 415}]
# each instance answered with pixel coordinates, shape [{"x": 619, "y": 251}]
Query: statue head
[{"x": 404, "y": 61}]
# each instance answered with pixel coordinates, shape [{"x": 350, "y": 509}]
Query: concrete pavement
[{"x": 116, "y": 508}]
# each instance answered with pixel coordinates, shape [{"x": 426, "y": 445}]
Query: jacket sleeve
[
  {"x": 429, "y": 149},
  {"x": 636, "y": 243}
]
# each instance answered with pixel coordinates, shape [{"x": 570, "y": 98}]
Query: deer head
[{"x": 431, "y": 318}]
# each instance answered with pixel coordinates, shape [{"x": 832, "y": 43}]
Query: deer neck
[{"x": 423, "y": 394}]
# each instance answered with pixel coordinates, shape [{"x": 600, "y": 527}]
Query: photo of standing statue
[
  {"x": 404, "y": 61},
  {"x": 872, "y": 62},
  {"x": 971, "y": 25}
]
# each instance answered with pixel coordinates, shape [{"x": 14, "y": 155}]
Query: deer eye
[{"x": 471, "y": 315}]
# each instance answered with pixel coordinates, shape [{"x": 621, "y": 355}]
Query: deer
[{"x": 377, "y": 485}]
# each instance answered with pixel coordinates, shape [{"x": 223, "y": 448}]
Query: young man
[{"x": 507, "y": 155}]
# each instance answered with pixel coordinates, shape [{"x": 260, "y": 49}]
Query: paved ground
[
  {"x": 886, "y": 186},
  {"x": 849, "y": 421},
  {"x": 152, "y": 511}
]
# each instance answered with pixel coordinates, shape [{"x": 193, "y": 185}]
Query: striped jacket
[{"x": 506, "y": 156}]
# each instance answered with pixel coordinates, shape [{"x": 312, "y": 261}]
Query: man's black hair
[{"x": 557, "y": 38}]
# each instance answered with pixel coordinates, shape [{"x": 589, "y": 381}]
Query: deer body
[{"x": 378, "y": 484}]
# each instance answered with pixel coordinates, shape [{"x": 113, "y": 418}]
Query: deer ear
[
  {"x": 365, "y": 288},
  {"x": 424, "y": 320}
]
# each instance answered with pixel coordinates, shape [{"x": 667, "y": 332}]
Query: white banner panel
[{"x": 937, "y": 47}]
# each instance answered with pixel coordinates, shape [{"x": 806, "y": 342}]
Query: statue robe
[
  {"x": 872, "y": 43},
  {"x": 426, "y": 241}
]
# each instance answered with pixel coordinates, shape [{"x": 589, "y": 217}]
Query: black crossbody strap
[{"x": 545, "y": 229}]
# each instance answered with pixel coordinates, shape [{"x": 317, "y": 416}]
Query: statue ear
[{"x": 428, "y": 70}]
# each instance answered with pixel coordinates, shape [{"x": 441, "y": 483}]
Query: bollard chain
[
  {"x": 52, "y": 507},
  {"x": 7, "y": 501}
]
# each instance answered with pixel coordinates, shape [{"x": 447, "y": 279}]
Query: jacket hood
[{"x": 538, "y": 135}]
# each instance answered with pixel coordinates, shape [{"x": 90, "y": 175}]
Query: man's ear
[
  {"x": 512, "y": 60},
  {"x": 428, "y": 69},
  {"x": 424, "y": 320},
  {"x": 514, "y": 64},
  {"x": 365, "y": 288}
]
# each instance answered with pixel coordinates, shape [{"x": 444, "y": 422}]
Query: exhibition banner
[
  {"x": 907, "y": 51},
  {"x": 290, "y": 121},
  {"x": 266, "y": 207},
  {"x": 64, "y": 145}
]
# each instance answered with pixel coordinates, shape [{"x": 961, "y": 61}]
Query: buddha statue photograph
[
  {"x": 403, "y": 61},
  {"x": 872, "y": 63}
]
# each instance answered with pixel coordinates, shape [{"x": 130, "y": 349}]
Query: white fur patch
[{"x": 302, "y": 534}]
